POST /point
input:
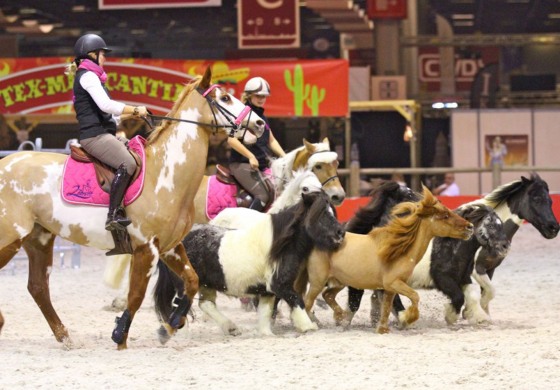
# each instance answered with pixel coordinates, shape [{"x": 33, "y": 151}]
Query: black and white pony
[
  {"x": 262, "y": 259},
  {"x": 515, "y": 202},
  {"x": 301, "y": 182}
]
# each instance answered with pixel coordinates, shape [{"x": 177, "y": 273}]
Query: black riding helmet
[{"x": 88, "y": 43}]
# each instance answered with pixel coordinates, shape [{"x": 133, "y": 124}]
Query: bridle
[
  {"x": 329, "y": 179},
  {"x": 235, "y": 122}
]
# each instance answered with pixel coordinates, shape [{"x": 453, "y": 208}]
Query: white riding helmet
[{"x": 257, "y": 86}]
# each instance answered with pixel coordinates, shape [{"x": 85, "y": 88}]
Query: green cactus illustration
[
  {"x": 317, "y": 96},
  {"x": 299, "y": 89}
]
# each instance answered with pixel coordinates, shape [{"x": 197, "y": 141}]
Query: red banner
[
  {"x": 386, "y": 9},
  {"x": 268, "y": 24},
  {"x": 299, "y": 88},
  {"x": 140, "y": 4}
]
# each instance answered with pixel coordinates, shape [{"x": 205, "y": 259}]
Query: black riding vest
[
  {"x": 91, "y": 119},
  {"x": 260, "y": 148}
]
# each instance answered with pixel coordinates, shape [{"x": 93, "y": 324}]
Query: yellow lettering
[
  {"x": 123, "y": 84},
  {"x": 166, "y": 95},
  {"x": 34, "y": 89},
  {"x": 139, "y": 85},
  {"x": 19, "y": 89},
  {"x": 5, "y": 94},
  {"x": 154, "y": 86},
  {"x": 57, "y": 85}
]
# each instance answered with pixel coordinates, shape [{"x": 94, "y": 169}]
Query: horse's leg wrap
[
  {"x": 122, "y": 243},
  {"x": 182, "y": 306},
  {"x": 122, "y": 327}
]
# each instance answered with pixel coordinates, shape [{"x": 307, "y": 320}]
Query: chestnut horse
[
  {"x": 386, "y": 256},
  {"x": 33, "y": 212},
  {"x": 315, "y": 157}
]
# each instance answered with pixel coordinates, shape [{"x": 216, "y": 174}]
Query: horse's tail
[{"x": 164, "y": 291}]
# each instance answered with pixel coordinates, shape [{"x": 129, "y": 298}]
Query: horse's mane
[
  {"x": 504, "y": 192},
  {"x": 291, "y": 194},
  {"x": 282, "y": 167},
  {"x": 286, "y": 223},
  {"x": 404, "y": 225},
  {"x": 191, "y": 86},
  {"x": 474, "y": 213},
  {"x": 383, "y": 196}
]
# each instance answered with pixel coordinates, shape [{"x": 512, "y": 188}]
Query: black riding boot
[
  {"x": 256, "y": 204},
  {"x": 116, "y": 218}
]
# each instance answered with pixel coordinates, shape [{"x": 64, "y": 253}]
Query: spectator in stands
[{"x": 449, "y": 187}]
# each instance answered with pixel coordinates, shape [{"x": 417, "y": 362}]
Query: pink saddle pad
[
  {"x": 220, "y": 196},
  {"x": 79, "y": 184}
]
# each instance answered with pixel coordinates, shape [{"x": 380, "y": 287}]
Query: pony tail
[{"x": 71, "y": 68}]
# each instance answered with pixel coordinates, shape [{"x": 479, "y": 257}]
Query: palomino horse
[
  {"x": 263, "y": 259},
  {"x": 385, "y": 257},
  {"x": 518, "y": 201},
  {"x": 316, "y": 157},
  {"x": 33, "y": 212}
]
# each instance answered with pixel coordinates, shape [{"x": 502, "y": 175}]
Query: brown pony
[
  {"x": 315, "y": 157},
  {"x": 33, "y": 212},
  {"x": 385, "y": 257}
]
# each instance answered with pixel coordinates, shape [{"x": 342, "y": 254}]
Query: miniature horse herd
[
  {"x": 400, "y": 241},
  {"x": 384, "y": 242}
]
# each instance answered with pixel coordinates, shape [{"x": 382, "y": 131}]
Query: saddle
[
  {"x": 103, "y": 172},
  {"x": 243, "y": 197}
]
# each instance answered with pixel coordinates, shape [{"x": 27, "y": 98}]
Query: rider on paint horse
[
  {"x": 248, "y": 162},
  {"x": 98, "y": 116}
]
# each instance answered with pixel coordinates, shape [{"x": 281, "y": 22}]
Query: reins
[{"x": 234, "y": 125}]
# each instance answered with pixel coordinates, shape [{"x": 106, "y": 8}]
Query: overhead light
[
  {"x": 29, "y": 22},
  {"x": 441, "y": 105},
  {"x": 46, "y": 28}
]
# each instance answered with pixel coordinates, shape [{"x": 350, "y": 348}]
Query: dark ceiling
[
  {"x": 193, "y": 33},
  {"x": 211, "y": 32}
]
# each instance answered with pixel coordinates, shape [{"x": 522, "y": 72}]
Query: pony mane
[
  {"x": 502, "y": 193},
  {"x": 286, "y": 223},
  {"x": 173, "y": 113},
  {"x": 404, "y": 225},
  {"x": 292, "y": 192},
  {"x": 282, "y": 167},
  {"x": 474, "y": 213},
  {"x": 385, "y": 194}
]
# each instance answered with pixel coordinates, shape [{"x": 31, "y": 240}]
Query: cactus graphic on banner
[{"x": 311, "y": 95}]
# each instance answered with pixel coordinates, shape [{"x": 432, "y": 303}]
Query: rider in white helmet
[
  {"x": 247, "y": 162},
  {"x": 98, "y": 116}
]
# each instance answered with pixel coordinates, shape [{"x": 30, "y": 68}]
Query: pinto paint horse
[
  {"x": 262, "y": 259},
  {"x": 317, "y": 158},
  {"x": 33, "y": 212},
  {"x": 386, "y": 256}
]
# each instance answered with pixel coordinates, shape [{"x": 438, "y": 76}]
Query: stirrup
[
  {"x": 118, "y": 221},
  {"x": 122, "y": 243}
]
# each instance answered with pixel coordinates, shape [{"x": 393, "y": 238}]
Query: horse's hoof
[
  {"x": 232, "y": 330},
  {"x": 163, "y": 335},
  {"x": 312, "y": 327},
  {"x": 382, "y": 329}
]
